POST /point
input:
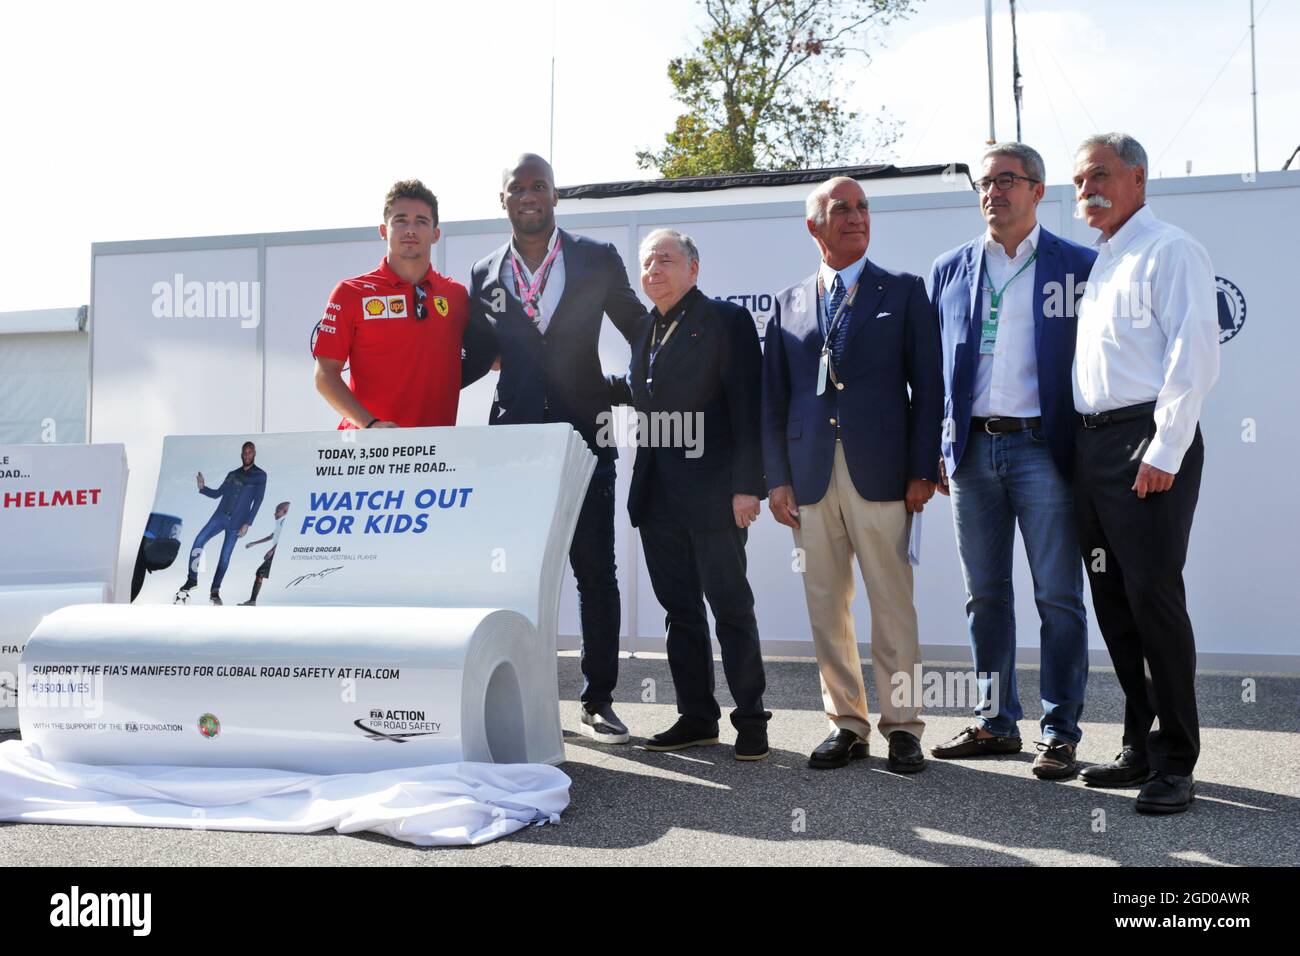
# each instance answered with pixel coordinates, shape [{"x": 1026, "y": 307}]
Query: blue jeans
[
  {"x": 1000, "y": 480},
  {"x": 592, "y": 557},
  {"x": 216, "y": 525}
]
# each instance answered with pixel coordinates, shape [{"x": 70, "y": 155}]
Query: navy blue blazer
[
  {"x": 711, "y": 365},
  {"x": 554, "y": 377},
  {"x": 889, "y": 434},
  {"x": 957, "y": 285}
]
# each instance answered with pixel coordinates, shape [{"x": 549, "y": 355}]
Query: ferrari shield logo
[{"x": 440, "y": 304}]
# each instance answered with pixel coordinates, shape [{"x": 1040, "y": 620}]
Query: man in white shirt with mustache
[{"x": 1146, "y": 355}]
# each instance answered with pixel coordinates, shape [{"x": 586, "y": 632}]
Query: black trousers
[
  {"x": 686, "y": 566},
  {"x": 1134, "y": 550},
  {"x": 591, "y": 555}
]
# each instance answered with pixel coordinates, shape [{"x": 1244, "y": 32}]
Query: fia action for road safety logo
[{"x": 209, "y": 726}]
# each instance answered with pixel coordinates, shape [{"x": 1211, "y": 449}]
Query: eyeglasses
[
  {"x": 421, "y": 310},
  {"x": 1003, "y": 181}
]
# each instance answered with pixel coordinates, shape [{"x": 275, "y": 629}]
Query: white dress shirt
[
  {"x": 1149, "y": 331},
  {"x": 554, "y": 288},
  {"x": 1006, "y": 382},
  {"x": 848, "y": 275}
]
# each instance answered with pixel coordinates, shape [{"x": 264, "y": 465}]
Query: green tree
[{"x": 760, "y": 88}]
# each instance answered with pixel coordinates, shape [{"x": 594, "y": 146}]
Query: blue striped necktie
[{"x": 837, "y": 339}]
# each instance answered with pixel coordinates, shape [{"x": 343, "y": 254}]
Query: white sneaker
[{"x": 603, "y": 726}]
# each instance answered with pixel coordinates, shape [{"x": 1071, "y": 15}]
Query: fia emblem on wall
[{"x": 1232, "y": 308}]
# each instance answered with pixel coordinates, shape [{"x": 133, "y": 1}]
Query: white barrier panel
[
  {"x": 60, "y": 521},
  {"x": 316, "y": 690},
  {"x": 21, "y": 609}
]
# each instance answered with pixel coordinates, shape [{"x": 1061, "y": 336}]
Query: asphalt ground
[{"x": 702, "y": 807}]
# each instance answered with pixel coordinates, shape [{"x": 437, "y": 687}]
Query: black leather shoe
[
  {"x": 905, "y": 754},
  {"x": 837, "y": 750},
  {"x": 969, "y": 743},
  {"x": 751, "y": 743},
  {"x": 687, "y": 732},
  {"x": 1128, "y": 769},
  {"x": 1166, "y": 793}
]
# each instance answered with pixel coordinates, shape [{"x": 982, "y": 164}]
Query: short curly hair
[{"x": 410, "y": 189}]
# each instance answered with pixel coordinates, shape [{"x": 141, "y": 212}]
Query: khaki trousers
[{"x": 832, "y": 531}]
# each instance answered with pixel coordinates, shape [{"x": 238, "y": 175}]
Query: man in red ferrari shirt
[{"x": 398, "y": 329}]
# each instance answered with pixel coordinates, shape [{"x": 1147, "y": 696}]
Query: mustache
[{"x": 1094, "y": 201}]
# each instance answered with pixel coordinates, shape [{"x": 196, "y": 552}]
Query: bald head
[
  {"x": 815, "y": 206},
  {"x": 530, "y": 162},
  {"x": 529, "y": 197}
]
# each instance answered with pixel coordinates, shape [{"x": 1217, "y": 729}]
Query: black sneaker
[
  {"x": 602, "y": 726},
  {"x": 687, "y": 732},
  {"x": 215, "y": 598},
  {"x": 1055, "y": 760},
  {"x": 751, "y": 743},
  {"x": 1128, "y": 769}
]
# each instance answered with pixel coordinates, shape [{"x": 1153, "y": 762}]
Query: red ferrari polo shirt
[{"x": 403, "y": 368}]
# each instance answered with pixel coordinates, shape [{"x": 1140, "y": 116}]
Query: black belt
[
  {"x": 998, "y": 426},
  {"x": 1118, "y": 415}
]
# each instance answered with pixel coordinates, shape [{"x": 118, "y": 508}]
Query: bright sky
[{"x": 149, "y": 120}]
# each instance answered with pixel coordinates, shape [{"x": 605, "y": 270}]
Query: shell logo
[
  {"x": 375, "y": 307},
  {"x": 397, "y": 305}
]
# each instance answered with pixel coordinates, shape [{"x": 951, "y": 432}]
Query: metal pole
[
  {"x": 988, "y": 31},
  {"x": 555, "y": 16},
  {"x": 1254, "y": 94},
  {"x": 1015, "y": 69}
]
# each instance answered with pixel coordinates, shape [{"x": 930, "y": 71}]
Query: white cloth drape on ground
[{"x": 450, "y": 804}]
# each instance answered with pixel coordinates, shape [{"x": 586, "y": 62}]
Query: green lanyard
[{"x": 989, "y": 328}]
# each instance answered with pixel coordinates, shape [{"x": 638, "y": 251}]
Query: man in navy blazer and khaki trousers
[
  {"x": 850, "y": 455},
  {"x": 1005, "y": 303}
]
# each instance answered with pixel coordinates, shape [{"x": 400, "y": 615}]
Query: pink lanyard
[{"x": 530, "y": 295}]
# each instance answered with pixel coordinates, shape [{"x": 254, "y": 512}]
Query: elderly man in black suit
[{"x": 696, "y": 381}]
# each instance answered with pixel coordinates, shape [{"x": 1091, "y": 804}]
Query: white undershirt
[{"x": 1006, "y": 382}]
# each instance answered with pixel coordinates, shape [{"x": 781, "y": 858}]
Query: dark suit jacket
[
  {"x": 554, "y": 377},
  {"x": 712, "y": 365},
  {"x": 889, "y": 436},
  {"x": 957, "y": 283}
]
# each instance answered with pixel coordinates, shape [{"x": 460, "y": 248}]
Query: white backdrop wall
[{"x": 152, "y": 377}]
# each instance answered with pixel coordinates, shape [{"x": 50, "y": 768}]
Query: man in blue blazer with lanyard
[
  {"x": 1005, "y": 302},
  {"x": 536, "y": 307},
  {"x": 852, "y": 402}
]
